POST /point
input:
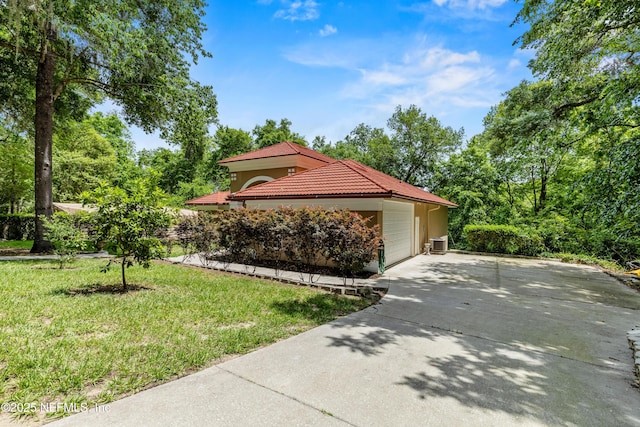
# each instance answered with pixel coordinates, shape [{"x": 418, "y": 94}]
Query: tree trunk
[
  {"x": 124, "y": 280},
  {"x": 544, "y": 175},
  {"x": 44, "y": 142},
  {"x": 533, "y": 186}
]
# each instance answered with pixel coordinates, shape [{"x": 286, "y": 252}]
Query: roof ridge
[{"x": 294, "y": 146}]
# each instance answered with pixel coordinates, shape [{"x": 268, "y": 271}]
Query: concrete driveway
[{"x": 458, "y": 340}]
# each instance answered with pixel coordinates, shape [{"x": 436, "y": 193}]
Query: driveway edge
[{"x": 634, "y": 343}]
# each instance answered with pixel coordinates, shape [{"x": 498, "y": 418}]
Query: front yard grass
[
  {"x": 16, "y": 244},
  {"x": 67, "y": 338}
]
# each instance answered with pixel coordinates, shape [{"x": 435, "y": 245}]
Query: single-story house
[{"x": 287, "y": 174}]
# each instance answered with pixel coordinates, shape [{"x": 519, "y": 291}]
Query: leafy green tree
[
  {"x": 272, "y": 133},
  {"x": 588, "y": 44},
  {"x": 420, "y": 143},
  {"x": 471, "y": 179},
  {"x": 68, "y": 240},
  {"x": 16, "y": 170},
  {"x": 137, "y": 53},
  {"x": 590, "y": 51},
  {"x": 411, "y": 153},
  {"x": 131, "y": 219},
  {"x": 227, "y": 142},
  {"x": 83, "y": 159},
  {"x": 116, "y": 132},
  {"x": 365, "y": 144},
  {"x": 529, "y": 139},
  {"x": 171, "y": 166}
]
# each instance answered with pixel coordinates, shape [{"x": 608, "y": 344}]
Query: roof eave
[
  {"x": 311, "y": 196},
  {"x": 431, "y": 202}
]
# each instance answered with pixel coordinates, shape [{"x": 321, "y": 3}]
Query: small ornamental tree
[{"x": 131, "y": 219}]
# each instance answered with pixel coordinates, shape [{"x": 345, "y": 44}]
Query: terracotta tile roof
[
  {"x": 219, "y": 198},
  {"x": 278, "y": 150},
  {"x": 343, "y": 178}
]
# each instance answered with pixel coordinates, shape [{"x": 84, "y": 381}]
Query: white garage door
[{"x": 397, "y": 230}]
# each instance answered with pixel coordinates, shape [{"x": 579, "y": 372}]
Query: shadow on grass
[
  {"x": 320, "y": 308},
  {"x": 100, "y": 288}
]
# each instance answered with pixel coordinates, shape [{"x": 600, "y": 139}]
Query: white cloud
[
  {"x": 298, "y": 10},
  {"x": 470, "y": 4},
  {"x": 382, "y": 77},
  {"x": 327, "y": 30},
  {"x": 430, "y": 76},
  {"x": 514, "y": 63},
  {"x": 380, "y": 74}
]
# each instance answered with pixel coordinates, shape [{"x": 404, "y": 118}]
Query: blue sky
[{"x": 328, "y": 66}]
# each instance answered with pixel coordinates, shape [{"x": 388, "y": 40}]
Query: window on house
[
  {"x": 234, "y": 176},
  {"x": 291, "y": 171}
]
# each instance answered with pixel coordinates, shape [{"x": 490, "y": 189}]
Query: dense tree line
[{"x": 558, "y": 155}]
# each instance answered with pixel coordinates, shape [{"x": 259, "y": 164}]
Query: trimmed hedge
[
  {"x": 505, "y": 239},
  {"x": 17, "y": 226},
  {"x": 304, "y": 237}
]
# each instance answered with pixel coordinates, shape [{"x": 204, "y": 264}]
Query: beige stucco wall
[
  {"x": 433, "y": 218},
  {"x": 244, "y": 176},
  {"x": 434, "y": 222}
]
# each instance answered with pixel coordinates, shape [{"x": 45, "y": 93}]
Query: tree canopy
[
  {"x": 416, "y": 146},
  {"x": 136, "y": 52}
]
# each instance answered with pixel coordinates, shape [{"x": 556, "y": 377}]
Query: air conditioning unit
[{"x": 438, "y": 246}]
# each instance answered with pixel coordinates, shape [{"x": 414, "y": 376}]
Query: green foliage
[
  {"x": 171, "y": 166},
  {"x": 505, "y": 239},
  {"x": 83, "y": 158},
  {"x": 412, "y": 153},
  {"x": 420, "y": 143},
  {"x": 350, "y": 242},
  {"x": 588, "y": 260},
  {"x": 132, "y": 219},
  {"x": 16, "y": 170},
  {"x": 272, "y": 133},
  {"x": 472, "y": 180},
  {"x": 138, "y": 53},
  {"x": 17, "y": 226},
  {"x": 367, "y": 145},
  {"x": 306, "y": 237},
  {"x": 67, "y": 238},
  {"x": 227, "y": 142}
]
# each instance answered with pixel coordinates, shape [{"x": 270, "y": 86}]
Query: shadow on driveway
[{"x": 531, "y": 341}]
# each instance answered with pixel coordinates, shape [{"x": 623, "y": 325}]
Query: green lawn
[
  {"x": 63, "y": 342},
  {"x": 16, "y": 244}
]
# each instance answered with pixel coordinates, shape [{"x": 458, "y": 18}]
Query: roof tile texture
[
  {"x": 219, "y": 198},
  {"x": 341, "y": 178}
]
